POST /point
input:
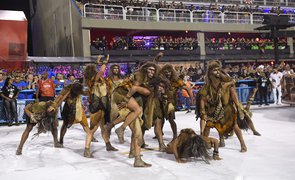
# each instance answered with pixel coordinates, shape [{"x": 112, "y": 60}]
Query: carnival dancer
[
  {"x": 98, "y": 98},
  {"x": 43, "y": 114},
  {"x": 130, "y": 111},
  {"x": 73, "y": 113},
  {"x": 218, "y": 105},
  {"x": 176, "y": 83},
  {"x": 189, "y": 144}
]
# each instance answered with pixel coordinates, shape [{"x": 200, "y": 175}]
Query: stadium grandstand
[{"x": 49, "y": 44}]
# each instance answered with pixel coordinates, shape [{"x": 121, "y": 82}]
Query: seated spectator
[
  {"x": 29, "y": 79},
  {"x": 59, "y": 82},
  {"x": 70, "y": 79}
]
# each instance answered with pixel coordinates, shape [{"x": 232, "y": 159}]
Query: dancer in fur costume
[
  {"x": 130, "y": 108},
  {"x": 43, "y": 114},
  {"x": 176, "y": 83},
  {"x": 218, "y": 105},
  {"x": 73, "y": 113},
  {"x": 98, "y": 98},
  {"x": 188, "y": 144}
]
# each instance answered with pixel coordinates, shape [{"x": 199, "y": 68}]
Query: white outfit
[{"x": 275, "y": 79}]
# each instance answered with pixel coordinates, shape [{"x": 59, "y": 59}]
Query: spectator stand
[{"x": 193, "y": 13}]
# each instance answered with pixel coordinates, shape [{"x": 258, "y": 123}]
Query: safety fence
[{"x": 244, "y": 90}]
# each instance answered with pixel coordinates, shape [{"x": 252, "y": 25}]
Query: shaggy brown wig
[
  {"x": 76, "y": 89},
  {"x": 90, "y": 72},
  {"x": 113, "y": 67},
  {"x": 169, "y": 67}
]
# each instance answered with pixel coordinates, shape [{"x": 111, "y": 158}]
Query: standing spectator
[
  {"x": 9, "y": 94},
  {"x": 262, "y": 85},
  {"x": 288, "y": 70},
  {"x": 199, "y": 75},
  {"x": 45, "y": 88},
  {"x": 184, "y": 93},
  {"x": 275, "y": 79},
  {"x": 235, "y": 74}
]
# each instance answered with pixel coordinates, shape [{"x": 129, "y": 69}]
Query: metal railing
[
  {"x": 130, "y": 13},
  {"x": 174, "y": 15},
  {"x": 99, "y": 11},
  {"x": 141, "y": 13},
  {"x": 207, "y": 16},
  {"x": 237, "y": 17}
]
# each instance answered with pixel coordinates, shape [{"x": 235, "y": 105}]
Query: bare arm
[
  {"x": 157, "y": 57},
  {"x": 203, "y": 115},
  {"x": 60, "y": 98},
  {"x": 102, "y": 68}
]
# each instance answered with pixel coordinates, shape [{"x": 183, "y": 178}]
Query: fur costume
[
  {"x": 220, "y": 109},
  {"x": 73, "y": 111},
  {"x": 189, "y": 144},
  {"x": 41, "y": 117},
  {"x": 174, "y": 84},
  {"x": 120, "y": 93}
]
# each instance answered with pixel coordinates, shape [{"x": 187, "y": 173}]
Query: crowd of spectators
[
  {"x": 244, "y": 44},
  {"x": 246, "y": 7},
  {"x": 186, "y": 43},
  {"x": 146, "y": 43}
]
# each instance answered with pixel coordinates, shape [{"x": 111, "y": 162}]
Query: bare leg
[
  {"x": 216, "y": 146},
  {"x": 94, "y": 125},
  {"x": 136, "y": 110},
  {"x": 221, "y": 140},
  {"x": 63, "y": 131},
  {"x": 239, "y": 106},
  {"x": 54, "y": 134},
  {"x": 24, "y": 137},
  {"x": 136, "y": 133},
  {"x": 106, "y": 137},
  {"x": 252, "y": 127},
  {"x": 89, "y": 134},
  {"x": 159, "y": 134},
  {"x": 173, "y": 127},
  {"x": 240, "y": 137}
]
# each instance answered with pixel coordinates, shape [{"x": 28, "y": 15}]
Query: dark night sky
[{"x": 20, "y": 5}]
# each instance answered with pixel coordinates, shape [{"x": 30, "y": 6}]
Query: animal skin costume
[
  {"x": 73, "y": 111},
  {"x": 113, "y": 81},
  {"x": 37, "y": 113},
  {"x": 174, "y": 84},
  {"x": 98, "y": 99},
  {"x": 219, "y": 106}
]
